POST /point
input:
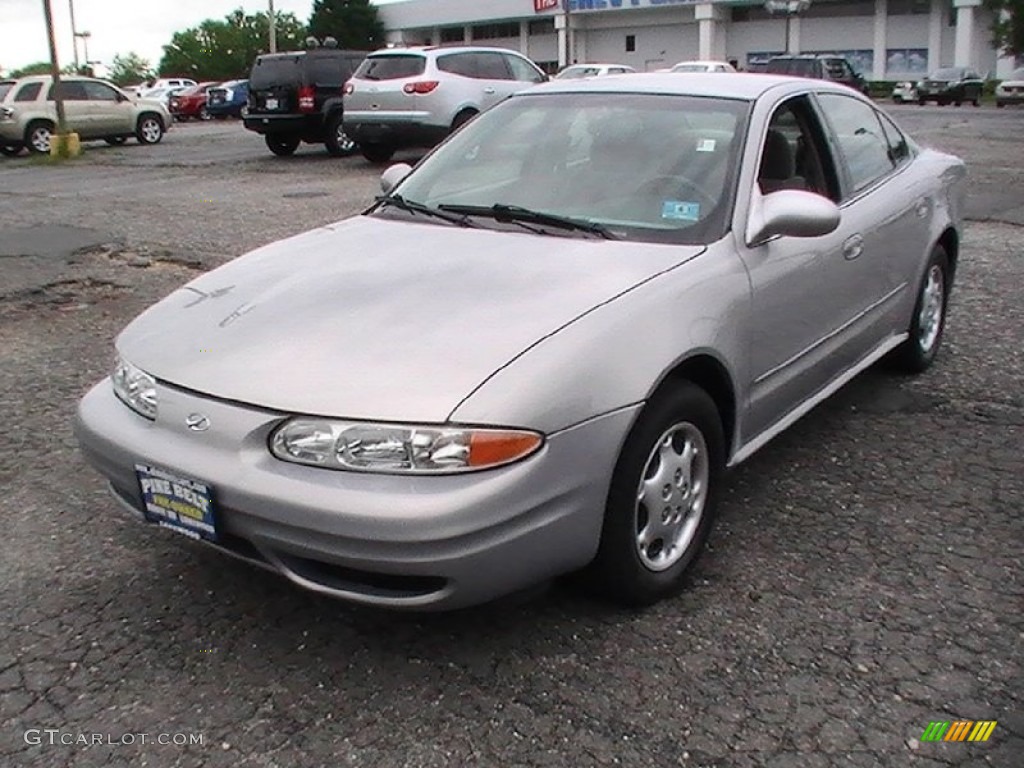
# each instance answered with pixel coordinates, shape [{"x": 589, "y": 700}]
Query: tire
[
  {"x": 462, "y": 118},
  {"x": 38, "y": 136},
  {"x": 9, "y": 151},
  {"x": 282, "y": 144},
  {"x": 928, "y": 323},
  {"x": 149, "y": 129},
  {"x": 1000, "y": 104},
  {"x": 115, "y": 141},
  {"x": 336, "y": 140},
  {"x": 204, "y": 115},
  {"x": 634, "y": 566},
  {"x": 377, "y": 153},
  {"x": 922, "y": 102}
]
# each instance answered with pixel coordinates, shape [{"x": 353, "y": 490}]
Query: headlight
[
  {"x": 135, "y": 388},
  {"x": 399, "y": 448}
]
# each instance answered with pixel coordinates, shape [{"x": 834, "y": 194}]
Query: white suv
[{"x": 414, "y": 97}]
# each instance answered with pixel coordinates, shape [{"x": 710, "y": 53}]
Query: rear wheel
[
  {"x": 38, "y": 136},
  {"x": 462, "y": 118},
  {"x": 918, "y": 352},
  {"x": 1000, "y": 104},
  {"x": 377, "y": 153},
  {"x": 204, "y": 114},
  {"x": 282, "y": 145},
  {"x": 9, "y": 150},
  {"x": 149, "y": 129},
  {"x": 336, "y": 140},
  {"x": 662, "y": 498}
]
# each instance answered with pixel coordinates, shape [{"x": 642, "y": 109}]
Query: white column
[
  {"x": 1004, "y": 64},
  {"x": 936, "y": 20},
  {"x": 524, "y": 38},
  {"x": 467, "y": 34},
  {"x": 881, "y": 26},
  {"x": 794, "y": 35},
  {"x": 710, "y": 37},
  {"x": 435, "y": 36},
  {"x": 563, "y": 39},
  {"x": 964, "y": 55}
]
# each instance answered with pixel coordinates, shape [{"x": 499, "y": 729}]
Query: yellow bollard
[{"x": 65, "y": 145}]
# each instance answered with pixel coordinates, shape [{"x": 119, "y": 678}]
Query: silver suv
[
  {"x": 414, "y": 97},
  {"x": 94, "y": 109}
]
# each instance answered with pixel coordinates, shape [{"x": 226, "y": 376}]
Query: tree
[
  {"x": 223, "y": 50},
  {"x": 1007, "y": 25},
  {"x": 354, "y": 23},
  {"x": 130, "y": 68},
  {"x": 39, "y": 68}
]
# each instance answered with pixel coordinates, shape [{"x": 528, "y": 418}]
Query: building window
[
  {"x": 542, "y": 26},
  {"x": 452, "y": 35},
  {"x": 630, "y": 43},
  {"x": 494, "y": 31}
]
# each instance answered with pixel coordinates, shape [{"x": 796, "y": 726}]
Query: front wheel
[
  {"x": 662, "y": 499},
  {"x": 377, "y": 153},
  {"x": 338, "y": 143},
  {"x": 282, "y": 145},
  {"x": 149, "y": 130},
  {"x": 918, "y": 352}
]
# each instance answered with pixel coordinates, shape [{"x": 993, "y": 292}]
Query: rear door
[
  {"x": 496, "y": 81},
  {"x": 274, "y": 83},
  {"x": 76, "y": 107}
]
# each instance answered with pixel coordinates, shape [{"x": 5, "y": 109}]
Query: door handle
[
  {"x": 921, "y": 209},
  {"x": 853, "y": 247},
  {"x": 488, "y": 90}
]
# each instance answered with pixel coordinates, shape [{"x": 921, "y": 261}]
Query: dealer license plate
[
  {"x": 178, "y": 503},
  {"x": 271, "y": 103}
]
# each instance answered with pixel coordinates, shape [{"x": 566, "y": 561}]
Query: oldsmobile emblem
[{"x": 197, "y": 422}]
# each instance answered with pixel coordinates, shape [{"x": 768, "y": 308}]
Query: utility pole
[
  {"x": 58, "y": 97},
  {"x": 273, "y": 28},
  {"x": 74, "y": 33}
]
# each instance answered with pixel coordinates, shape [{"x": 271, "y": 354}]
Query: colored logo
[
  {"x": 544, "y": 5},
  {"x": 958, "y": 730}
]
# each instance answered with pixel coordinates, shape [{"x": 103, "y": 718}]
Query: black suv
[
  {"x": 823, "y": 67},
  {"x": 297, "y": 96}
]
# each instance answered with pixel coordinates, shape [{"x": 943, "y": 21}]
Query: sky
[{"x": 116, "y": 26}]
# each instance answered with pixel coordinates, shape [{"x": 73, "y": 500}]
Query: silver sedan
[{"x": 539, "y": 351}]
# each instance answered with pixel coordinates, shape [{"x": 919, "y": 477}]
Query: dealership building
[{"x": 883, "y": 39}]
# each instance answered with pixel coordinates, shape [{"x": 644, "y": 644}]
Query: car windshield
[
  {"x": 391, "y": 67},
  {"x": 690, "y": 68},
  {"x": 947, "y": 74},
  {"x": 5, "y": 88},
  {"x": 269, "y": 71},
  {"x": 575, "y": 73},
  {"x": 650, "y": 167}
]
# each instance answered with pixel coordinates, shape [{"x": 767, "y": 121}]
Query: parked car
[
  {"x": 172, "y": 82},
  {"x": 703, "y": 66},
  {"x": 1011, "y": 90},
  {"x": 951, "y": 85},
  {"x": 94, "y": 109},
  {"x": 904, "y": 92},
  {"x": 227, "y": 99},
  {"x": 415, "y": 97},
  {"x": 576, "y": 71},
  {"x": 822, "y": 67},
  {"x": 163, "y": 94},
  {"x": 541, "y": 348},
  {"x": 191, "y": 102},
  {"x": 297, "y": 97}
]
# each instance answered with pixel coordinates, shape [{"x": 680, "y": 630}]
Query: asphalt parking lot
[{"x": 866, "y": 576}]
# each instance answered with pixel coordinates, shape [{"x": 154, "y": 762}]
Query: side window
[
  {"x": 29, "y": 92},
  {"x": 899, "y": 149},
  {"x": 522, "y": 70},
  {"x": 492, "y": 66},
  {"x": 795, "y": 153},
  {"x": 99, "y": 92},
  {"x": 859, "y": 137},
  {"x": 457, "y": 64},
  {"x": 69, "y": 90}
]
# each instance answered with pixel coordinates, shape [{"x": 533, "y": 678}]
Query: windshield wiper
[
  {"x": 419, "y": 208},
  {"x": 516, "y": 214}
]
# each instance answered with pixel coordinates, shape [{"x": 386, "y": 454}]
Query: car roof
[
  {"x": 439, "y": 49},
  {"x": 746, "y": 86}
]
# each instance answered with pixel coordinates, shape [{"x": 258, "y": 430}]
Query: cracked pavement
[{"x": 865, "y": 577}]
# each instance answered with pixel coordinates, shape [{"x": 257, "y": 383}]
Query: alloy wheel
[{"x": 933, "y": 298}]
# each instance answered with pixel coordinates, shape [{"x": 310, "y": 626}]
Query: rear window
[
  {"x": 391, "y": 67},
  {"x": 5, "y": 88},
  {"x": 269, "y": 71},
  {"x": 778, "y": 66}
]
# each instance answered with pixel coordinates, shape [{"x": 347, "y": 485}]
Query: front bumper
[
  {"x": 414, "y": 542},
  {"x": 1016, "y": 96}
]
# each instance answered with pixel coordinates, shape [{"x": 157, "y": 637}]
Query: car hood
[{"x": 380, "y": 319}]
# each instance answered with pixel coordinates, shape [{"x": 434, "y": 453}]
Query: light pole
[
  {"x": 789, "y": 8},
  {"x": 85, "y": 44},
  {"x": 74, "y": 32},
  {"x": 272, "y": 18}
]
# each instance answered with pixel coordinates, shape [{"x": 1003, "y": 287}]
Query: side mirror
[
  {"x": 790, "y": 212},
  {"x": 393, "y": 176}
]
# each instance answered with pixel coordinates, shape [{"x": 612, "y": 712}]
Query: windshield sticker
[
  {"x": 706, "y": 145},
  {"x": 680, "y": 210}
]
